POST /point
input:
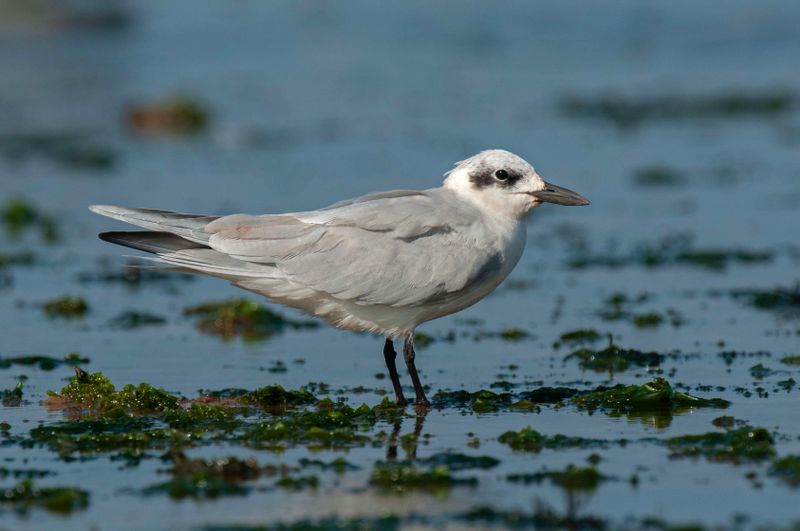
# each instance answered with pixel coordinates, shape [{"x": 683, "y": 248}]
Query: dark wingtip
[{"x": 112, "y": 236}]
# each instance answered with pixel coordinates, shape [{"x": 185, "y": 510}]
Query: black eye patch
[{"x": 486, "y": 176}]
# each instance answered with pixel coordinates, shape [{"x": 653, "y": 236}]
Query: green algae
[
  {"x": 12, "y": 397},
  {"x": 298, "y": 482},
  {"x": 423, "y": 340},
  {"x": 482, "y": 401},
  {"x": 381, "y": 523},
  {"x": 513, "y": 334},
  {"x": 67, "y": 307},
  {"x": 759, "y": 371},
  {"x": 785, "y": 301},
  {"x": 68, "y": 150},
  {"x": 178, "y": 115},
  {"x": 202, "y": 417},
  {"x": 19, "y": 216},
  {"x": 786, "y": 385},
  {"x": 510, "y": 334},
  {"x": 131, "y": 438},
  {"x": 647, "y": 320},
  {"x": 655, "y": 397},
  {"x": 529, "y": 440},
  {"x": 543, "y": 517},
  {"x": 126, "y": 423},
  {"x": 618, "y": 306},
  {"x": 631, "y": 112},
  {"x": 196, "y": 488},
  {"x": 669, "y": 251},
  {"x": 275, "y": 397},
  {"x": 549, "y": 395},
  {"x": 614, "y": 359},
  {"x": 572, "y": 478},
  {"x": 62, "y": 500},
  {"x": 793, "y": 361},
  {"x": 45, "y": 363},
  {"x": 26, "y": 473},
  {"x": 745, "y": 444},
  {"x": 125, "y": 437},
  {"x": 130, "y": 320},
  {"x": 339, "y": 465},
  {"x": 97, "y": 393},
  {"x": 403, "y": 477},
  {"x": 454, "y": 461},
  {"x": 787, "y": 469},
  {"x": 658, "y": 176},
  {"x": 16, "y": 259},
  {"x": 729, "y": 356},
  {"x": 332, "y": 426},
  {"x": 726, "y": 422},
  {"x": 243, "y": 318},
  {"x": 578, "y": 337},
  {"x": 228, "y": 469},
  {"x": 85, "y": 389},
  {"x": 133, "y": 276}
]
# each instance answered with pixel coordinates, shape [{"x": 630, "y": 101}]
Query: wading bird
[{"x": 382, "y": 263}]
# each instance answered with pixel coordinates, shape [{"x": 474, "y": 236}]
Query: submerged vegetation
[
  {"x": 45, "y": 363},
  {"x": 671, "y": 250},
  {"x": 402, "y": 477},
  {"x": 12, "y": 397},
  {"x": 530, "y": 440},
  {"x": 745, "y": 444},
  {"x": 571, "y": 478},
  {"x": 787, "y": 469},
  {"x": 67, "y": 307},
  {"x": 578, "y": 337},
  {"x": 658, "y": 176},
  {"x": 784, "y": 301},
  {"x": 129, "y": 320},
  {"x": 242, "y": 317},
  {"x": 67, "y": 150},
  {"x": 629, "y": 112},
  {"x": 18, "y": 216},
  {"x": 179, "y": 115},
  {"x": 25, "y": 495},
  {"x": 614, "y": 358},
  {"x": 656, "y": 398},
  {"x": 201, "y": 478}
]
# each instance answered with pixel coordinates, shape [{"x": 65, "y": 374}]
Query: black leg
[
  {"x": 411, "y": 450},
  {"x": 389, "y": 355},
  {"x": 408, "y": 352}
]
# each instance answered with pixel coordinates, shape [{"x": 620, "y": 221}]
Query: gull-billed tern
[{"x": 383, "y": 263}]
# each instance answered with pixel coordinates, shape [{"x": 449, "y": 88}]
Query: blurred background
[{"x": 679, "y": 120}]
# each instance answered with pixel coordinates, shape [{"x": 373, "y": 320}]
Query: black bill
[{"x": 559, "y": 196}]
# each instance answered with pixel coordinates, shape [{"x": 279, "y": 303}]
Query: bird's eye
[{"x": 501, "y": 175}]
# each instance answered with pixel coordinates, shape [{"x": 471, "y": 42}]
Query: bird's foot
[{"x": 422, "y": 405}]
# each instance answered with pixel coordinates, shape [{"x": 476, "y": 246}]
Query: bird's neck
[{"x": 493, "y": 205}]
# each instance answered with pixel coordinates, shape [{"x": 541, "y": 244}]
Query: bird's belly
[{"x": 460, "y": 301}]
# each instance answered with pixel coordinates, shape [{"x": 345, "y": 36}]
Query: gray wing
[{"x": 393, "y": 248}]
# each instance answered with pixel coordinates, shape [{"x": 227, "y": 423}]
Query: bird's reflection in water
[{"x": 408, "y": 441}]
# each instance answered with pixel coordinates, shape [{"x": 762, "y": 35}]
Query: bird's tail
[
  {"x": 188, "y": 226},
  {"x": 187, "y": 256}
]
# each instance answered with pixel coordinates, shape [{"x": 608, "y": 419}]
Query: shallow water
[{"x": 311, "y": 104}]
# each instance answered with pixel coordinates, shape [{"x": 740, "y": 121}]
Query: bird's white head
[{"x": 506, "y": 184}]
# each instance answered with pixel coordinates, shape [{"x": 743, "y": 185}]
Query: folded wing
[{"x": 391, "y": 248}]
